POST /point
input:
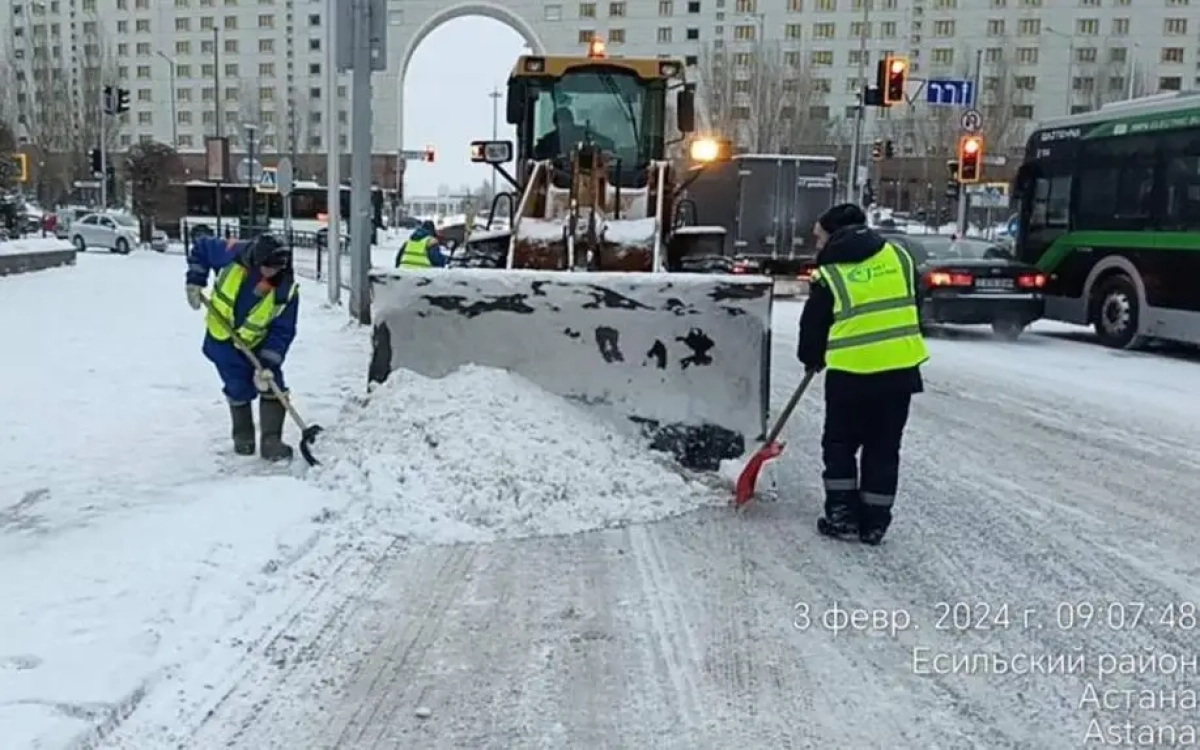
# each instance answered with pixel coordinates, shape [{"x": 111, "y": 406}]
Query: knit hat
[{"x": 840, "y": 216}]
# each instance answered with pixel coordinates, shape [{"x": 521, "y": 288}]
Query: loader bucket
[{"x": 683, "y": 357}]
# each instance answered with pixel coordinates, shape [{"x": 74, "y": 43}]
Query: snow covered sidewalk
[
  {"x": 127, "y": 548},
  {"x": 150, "y": 572}
]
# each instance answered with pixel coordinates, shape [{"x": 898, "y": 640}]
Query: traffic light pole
[
  {"x": 964, "y": 198},
  {"x": 104, "y": 105}
]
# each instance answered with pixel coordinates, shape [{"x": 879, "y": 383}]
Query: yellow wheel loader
[{"x": 595, "y": 290}]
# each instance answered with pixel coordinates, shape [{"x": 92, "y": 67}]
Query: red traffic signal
[
  {"x": 429, "y": 154},
  {"x": 970, "y": 158},
  {"x": 893, "y": 78}
]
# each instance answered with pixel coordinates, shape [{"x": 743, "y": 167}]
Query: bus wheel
[{"x": 1117, "y": 311}]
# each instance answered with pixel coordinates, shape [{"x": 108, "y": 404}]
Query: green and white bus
[{"x": 1109, "y": 209}]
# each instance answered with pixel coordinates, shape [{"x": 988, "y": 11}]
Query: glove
[
  {"x": 263, "y": 379},
  {"x": 193, "y": 296}
]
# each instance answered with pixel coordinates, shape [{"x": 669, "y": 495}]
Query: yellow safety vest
[
  {"x": 253, "y": 330},
  {"x": 876, "y": 324},
  {"x": 415, "y": 254}
]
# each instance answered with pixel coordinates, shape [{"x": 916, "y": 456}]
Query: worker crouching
[
  {"x": 861, "y": 325},
  {"x": 421, "y": 250},
  {"x": 256, "y": 292}
]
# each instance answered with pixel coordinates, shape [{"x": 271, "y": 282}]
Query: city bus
[
  {"x": 309, "y": 203},
  {"x": 1109, "y": 209}
]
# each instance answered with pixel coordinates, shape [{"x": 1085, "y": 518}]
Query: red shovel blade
[{"x": 744, "y": 490}]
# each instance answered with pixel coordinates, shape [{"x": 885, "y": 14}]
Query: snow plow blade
[{"x": 684, "y": 357}]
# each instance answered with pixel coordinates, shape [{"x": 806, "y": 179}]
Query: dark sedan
[{"x": 974, "y": 282}]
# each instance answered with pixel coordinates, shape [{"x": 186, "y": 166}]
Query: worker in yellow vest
[
  {"x": 861, "y": 324},
  {"x": 421, "y": 250},
  {"x": 256, "y": 291}
]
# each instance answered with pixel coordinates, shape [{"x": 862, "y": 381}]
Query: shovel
[
  {"x": 308, "y": 433},
  {"x": 744, "y": 490}
]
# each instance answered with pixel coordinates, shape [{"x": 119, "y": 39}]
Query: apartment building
[{"x": 194, "y": 66}]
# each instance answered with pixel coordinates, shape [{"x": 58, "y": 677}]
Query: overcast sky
[{"x": 446, "y": 104}]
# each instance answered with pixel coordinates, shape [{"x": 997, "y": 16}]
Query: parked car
[
  {"x": 116, "y": 233},
  {"x": 974, "y": 282},
  {"x": 159, "y": 241}
]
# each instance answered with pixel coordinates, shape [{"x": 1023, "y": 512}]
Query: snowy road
[{"x": 1047, "y": 491}]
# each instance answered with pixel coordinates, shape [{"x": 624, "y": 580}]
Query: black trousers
[{"x": 861, "y": 450}]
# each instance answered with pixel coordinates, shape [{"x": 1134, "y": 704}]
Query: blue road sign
[{"x": 950, "y": 92}]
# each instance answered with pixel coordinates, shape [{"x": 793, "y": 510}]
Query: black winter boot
[
  {"x": 244, "y": 441},
  {"x": 272, "y": 414},
  {"x": 841, "y": 514}
]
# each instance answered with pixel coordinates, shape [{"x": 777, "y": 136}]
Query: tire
[
  {"x": 80, "y": 245},
  {"x": 1009, "y": 330},
  {"x": 1117, "y": 313},
  {"x": 122, "y": 247}
]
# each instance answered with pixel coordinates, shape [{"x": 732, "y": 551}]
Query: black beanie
[{"x": 840, "y": 216}]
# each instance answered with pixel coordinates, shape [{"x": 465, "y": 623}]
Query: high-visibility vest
[
  {"x": 876, "y": 324},
  {"x": 415, "y": 254},
  {"x": 253, "y": 330}
]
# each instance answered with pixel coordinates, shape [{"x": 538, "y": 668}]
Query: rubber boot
[
  {"x": 271, "y": 417},
  {"x": 242, "y": 416}
]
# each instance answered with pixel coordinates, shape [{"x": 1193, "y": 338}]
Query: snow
[
  {"x": 482, "y": 454},
  {"x": 468, "y": 568},
  {"x": 630, "y": 231},
  {"x": 540, "y": 230},
  {"x": 33, "y": 245}
]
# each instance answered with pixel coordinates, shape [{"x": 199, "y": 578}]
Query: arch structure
[{"x": 412, "y": 21}]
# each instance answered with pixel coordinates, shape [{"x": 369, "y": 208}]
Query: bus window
[
  {"x": 1181, "y": 158},
  {"x": 1051, "y": 202}
]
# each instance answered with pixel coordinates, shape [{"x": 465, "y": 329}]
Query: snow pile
[
  {"x": 33, "y": 245},
  {"x": 483, "y": 454}
]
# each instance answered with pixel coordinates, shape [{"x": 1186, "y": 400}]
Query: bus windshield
[{"x": 615, "y": 110}]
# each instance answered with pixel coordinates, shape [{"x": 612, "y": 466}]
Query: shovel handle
[
  {"x": 255, "y": 362},
  {"x": 786, "y": 414}
]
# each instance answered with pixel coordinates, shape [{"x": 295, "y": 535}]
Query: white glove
[
  {"x": 263, "y": 380},
  {"x": 193, "y": 296}
]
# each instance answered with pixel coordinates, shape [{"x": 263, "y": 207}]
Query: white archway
[{"x": 434, "y": 16}]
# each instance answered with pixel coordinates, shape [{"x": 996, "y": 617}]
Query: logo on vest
[{"x": 867, "y": 274}]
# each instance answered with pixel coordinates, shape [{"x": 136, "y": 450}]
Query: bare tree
[
  {"x": 1111, "y": 77},
  {"x": 763, "y": 98},
  {"x": 248, "y": 110},
  {"x": 57, "y": 104},
  {"x": 9, "y": 170},
  {"x": 151, "y": 168}
]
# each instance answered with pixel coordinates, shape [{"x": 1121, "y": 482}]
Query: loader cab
[{"x": 617, "y": 106}]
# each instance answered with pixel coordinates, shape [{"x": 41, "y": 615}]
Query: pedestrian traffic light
[
  {"x": 889, "y": 150},
  {"x": 97, "y": 169},
  {"x": 122, "y": 101},
  {"x": 970, "y": 158},
  {"x": 893, "y": 77},
  {"x": 877, "y": 150},
  {"x": 22, "y": 161}
]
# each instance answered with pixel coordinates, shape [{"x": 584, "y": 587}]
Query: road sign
[
  {"x": 413, "y": 155},
  {"x": 284, "y": 176},
  {"x": 971, "y": 121},
  {"x": 989, "y": 195},
  {"x": 994, "y": 160},
  {"x": 950, "y": 92},
  {"x": 248, "y": 171},
  {"x": 268, "y": 182}
]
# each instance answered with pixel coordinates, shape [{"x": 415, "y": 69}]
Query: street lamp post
[
  {"x": 174, "y": 113},
  {"x": 252, "y": 192},
  {"x": 1070, "y": 66},
  {"x": 495, "y": 97},
  {"x": 853, "y": 189},
  {"x": 1130, "y": 70}
]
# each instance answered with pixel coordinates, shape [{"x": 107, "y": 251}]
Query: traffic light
[
  {"x": 97, "y": 169},
  {"x": 889, "y": 150},
  {"x": 970, "y": 159},
  {"x": 122, "y": 101},
  {"x": 893, "y": 77},
  {"x": 429, "y": 154},
  {"x": 952, "y": 168},
  {"x": 22, "y": 167},
  {"x": 877, "y": 150}
]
